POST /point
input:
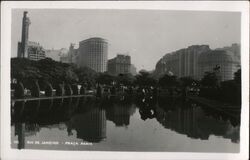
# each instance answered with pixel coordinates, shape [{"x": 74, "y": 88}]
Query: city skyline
[{"x": 145, "y": 35}]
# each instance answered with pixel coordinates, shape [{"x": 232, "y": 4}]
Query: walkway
[
  {"x": 232, "y": 110},
  {"x": 44, "y": 97}
]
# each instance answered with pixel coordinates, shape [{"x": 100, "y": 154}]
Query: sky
[{"x": 146, "y": 35}]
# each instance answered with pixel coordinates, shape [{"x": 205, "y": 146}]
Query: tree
[
  {"x": 187, "y": 81},
  {"x": 210, "y": 84},
  {"x": 86, "y": 75},
  {"x": 237, "y": 76},
  {"x": 230, "y": 92},
  {"x": 26, "y": 70},
  {"x": 144, "y": 78},
  {"x": 168, "y": 81},
  {"x": 70, "y": 76},
  {"x": 22, "y": 69},
  {"x": 19, "y": 90},
  {"x": 125, "y": 79},
  {"x": 35, "y": 89},
  {"x": 210, "y": 79},
  {"x": 105, "y": 78}
]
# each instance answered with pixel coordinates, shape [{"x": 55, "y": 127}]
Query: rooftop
[{"x": 94, "y": 39}]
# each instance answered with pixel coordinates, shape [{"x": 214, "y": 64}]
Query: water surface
[{"x": 118, "y": 124}]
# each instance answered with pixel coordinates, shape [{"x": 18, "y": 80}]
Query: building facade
[
  {"x": 121, "y": 64},
  {"x": 35, "y": 51},
  {"x": 93, "y": 53},
  {"x": 195, "y": 60},
  {"x": 233, "y": 50},
  {"x": 227, "y": 63},
  {"x": 181, "y": 63}
]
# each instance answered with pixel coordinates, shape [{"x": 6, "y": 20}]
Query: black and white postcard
[{"x": 124, "y": 80}]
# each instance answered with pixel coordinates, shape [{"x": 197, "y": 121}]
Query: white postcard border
[{"x": 8, "y": 153}]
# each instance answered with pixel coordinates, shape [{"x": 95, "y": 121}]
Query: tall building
[
  {"x": 194, "y": 61},
  {"x": 181, "y": 63},
  {"x": 93, "y": 53},
  {"x": 23, "y": 45},
  {"x": 121, "y": 64},
  {"x": 227, "y": 63},
  {"x": 35, "y": 51},
  {"x": 233, "y": 50}
]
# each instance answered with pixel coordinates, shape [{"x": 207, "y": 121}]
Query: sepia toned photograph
[{"x": 126, "y": 80}]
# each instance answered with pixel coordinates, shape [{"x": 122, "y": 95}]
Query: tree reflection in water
[{"x": 88, "y": 117}]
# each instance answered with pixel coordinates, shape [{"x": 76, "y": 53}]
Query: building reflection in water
[
  {"x": 90, "y": 125},
  {"x": 29, "y": 117},
  {"x": 119, "y": 112},
  {"x": 88, "y": 117},
  {"x": 191, "y": 120}
]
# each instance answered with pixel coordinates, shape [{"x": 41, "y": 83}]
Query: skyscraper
[
  {"x": 181, "y": 63},
  {"x": 23, "y": 45},
  {"x": 93, "y": 53}
]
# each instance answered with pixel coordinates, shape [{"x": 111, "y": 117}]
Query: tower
[{"x": 23, "y": 46}]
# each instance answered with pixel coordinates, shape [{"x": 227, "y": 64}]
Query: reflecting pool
[{"x": 123, "y": 124}]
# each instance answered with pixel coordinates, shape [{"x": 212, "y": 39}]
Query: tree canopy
[
  {"x": 105, "y": 78},
  {"x": 144, "y": 78},
  {"x": 125, "y": 79},
  {"x": 168, "y": 81},
  {"x": 210, "y": 79},
  {"x": 237, "y": 76},
  {"x": 188, "y": 81},
  {"x": 86, "y": 75},
  {"x": 46, "y": 69}
]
